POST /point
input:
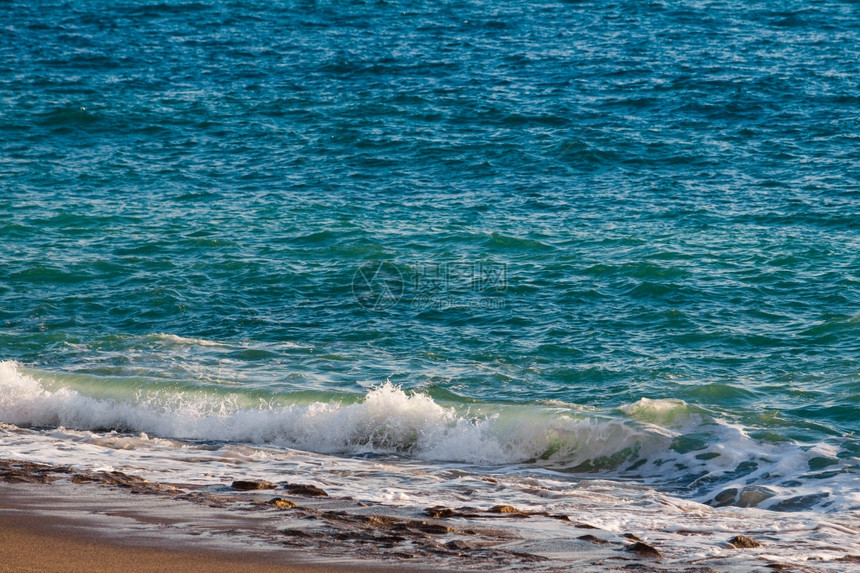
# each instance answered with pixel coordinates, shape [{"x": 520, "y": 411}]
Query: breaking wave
[{"x": 663, "y": 442}]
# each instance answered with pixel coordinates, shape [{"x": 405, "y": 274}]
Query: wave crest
[{"x": 388, "y": 420}]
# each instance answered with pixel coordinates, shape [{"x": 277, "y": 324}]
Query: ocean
[{"x": 583, "y": 257}]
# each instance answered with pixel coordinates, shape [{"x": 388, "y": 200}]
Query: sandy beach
[
  {"x": 51, "y": 525},
  {"x": 30, "y": 544},
  {"x": 75, "y": 542},
  {"x": 53, "y": 518}
]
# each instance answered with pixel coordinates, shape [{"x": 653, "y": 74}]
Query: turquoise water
[{"x": 545, "y": 217}]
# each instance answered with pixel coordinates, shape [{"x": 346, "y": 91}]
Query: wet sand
[
  {"x": 294, "y": 525},
  {"x": 55, "y": 521},
  {"x": 29, "y": 544},
  {"x": 77, "y": 526}
]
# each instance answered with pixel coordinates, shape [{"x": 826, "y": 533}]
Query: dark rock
[
  {"x": 752, "y": 496},
  {"x": 247, "y": 485},
  {"x": 30, "y": 472},
  {"x": 282, "y": 503},
  {"x": 505, "y": 509},
  {"x": 123, "y": 480},
  {"x": 460, "y": 545},
  {"x": 528, "y": 556},
  {"x": 133, "y": 483},
  {"x": 800, "y": 503},
  {"x": 402, "y": 555},
  {"x": 544, "y": 514},
  {"x": 592, "y": 539},
  {"x": 380, "y": 521},
  {"x": 585, "y": 526},
  {"x": 686, "y": 532},
  {"x": 305, "y": 489},
  {"x": 438, "y": 512},
  {"x": 632, "y": 537},
  {"x": 356, "y": 536},
  {"x": 644, "y": 550},
  {"x": 725, "y": 497},
  {"x": 296, "y": 533},
  {"x": 432, "y": 528},
  {"x": 743, "y": 542}
]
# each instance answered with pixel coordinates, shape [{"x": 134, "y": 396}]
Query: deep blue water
[{"x": 582, "y": 202}]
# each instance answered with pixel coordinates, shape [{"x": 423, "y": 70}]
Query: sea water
[{"x": 603, "y": 250}]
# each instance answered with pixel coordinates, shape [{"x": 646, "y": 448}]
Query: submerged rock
[
  {"x": 752, "y": 496},
  {"x": 593, "y": 539},
  {"x": 800, "y": 502},
  {"x": 460, "y": 545},
  {"x": 725, "y": 497},
  {"x": 645, "y": 550},
  {"x": 295, "y": 533}
]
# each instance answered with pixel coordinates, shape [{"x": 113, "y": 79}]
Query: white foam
[{"x": 390, "y": 420}]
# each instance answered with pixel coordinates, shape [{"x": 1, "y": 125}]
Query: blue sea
[{"x": 609, "y": 250}]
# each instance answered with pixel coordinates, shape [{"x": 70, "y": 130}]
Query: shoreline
[
  {"x": 60, "y": 518},
  {"x": 118, "y": 521},
  {"x": 74, "y": 528},
  {"x": 53, "y": 518}
]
